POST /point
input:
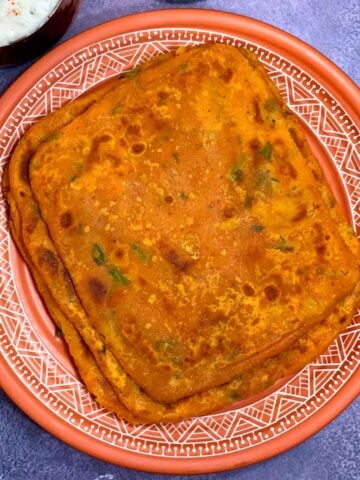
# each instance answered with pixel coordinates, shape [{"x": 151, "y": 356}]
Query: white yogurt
[{"x": 20, "y": 18}]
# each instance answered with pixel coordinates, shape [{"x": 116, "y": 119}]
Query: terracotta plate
[{"x": 36, "y": 370}]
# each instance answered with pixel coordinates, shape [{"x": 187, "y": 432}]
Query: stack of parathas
[{"x": 182, "y": 235}]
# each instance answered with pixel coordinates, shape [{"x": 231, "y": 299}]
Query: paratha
[
  {"x": 164, "y": 298},
  {"x": 246, "y": 384}
]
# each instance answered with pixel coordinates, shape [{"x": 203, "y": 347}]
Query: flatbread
[
  {"x": 165, "y": 300},
  {"x": 247, "y": 384}
]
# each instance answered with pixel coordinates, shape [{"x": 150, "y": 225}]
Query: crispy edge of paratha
[
  {"x": 87, "y": 368},
  {"x": 85, "y": 362},
  {"x": 297, "y": 132}
]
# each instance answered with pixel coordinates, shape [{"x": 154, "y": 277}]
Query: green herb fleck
[
  {"x": 98, "y": 255},
  {"x": 78, "y": 165},
  {"x": 273, "y": 179},
  {"x": 248, "y": 202},
  {"x": 59, "y": 333},
  {"x": 177, "y": 360},
  {"x": 184, "y": 196},
  {"x": 116, "y": 110},
  {"x": 53, "y": 136},
  {"x": 257, "y": 228},
  {"x": 74, "y": 177},
  {"x": 236, "y": 174},
  {"x": 283, "y": 245},
  {"x": 35, "y": 209},
  {"x": 80, "y": 229},
  {"x": 164, "y": 345},
  {"x": 175, "y": 157},
  {"x": 139, "y": 252},
  {"x": 103, "y": 348},
  {"x": 233, "y": 395},
  {"x": 266, "y": 151},
  {"x": 263, "y": 181},
  {"x": 183, "y": 67},
  {"x": 271, "y": 105},
  {"x": 133, "y": 72},
  {"x": 118, "y": 275}
]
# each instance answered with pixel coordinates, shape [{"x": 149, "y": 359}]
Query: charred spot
[
  {"x": 229, "y": 211},
  {"x": 296, "y": 137},
  {"x": 68, "y": 281},
  {"x": 133, "y": 130},
  {"x": 31, "y": 226},
  {"x": 136, "y": 110},
  {"x": 271, "y": 293},
  {"x": 158, "y": 123},
  {"x": 93, "y": 154},
  {"x": 227, "y": 75},
  {"x": 24, "y": 170},
  {"x": 321, "y": 249},
  {"x": 138, "y": 148},
  {"x": 115, "y": 160},
  {"x": 204, "y": 350},
  {"x": 281, "y": 149},
  {"x": 202, "y": 69},
  {"x": 22, "y": 194},
  {"x": 316, "y": 175},
  {"x": 163, "y": 96},
  {"x": 168, "y": 306},
  {"x": 302, "y": 348},
  {"x": 142, "y": 281},
  {"x": 189, "y": 360},
  {"x": 254, "y": 144},
  {"x": 66, "y": 219},
  {"x": 165, "y": 368},
  {"x": 300, "y": 215},
  {"x": 48, "y": 260},
  {"x": 248, "y": 290},
  {"x": 120, "y": 253},
  {"x": 287, "y": 169},
  {"x": 97, "y": 289},
  {"x": 318, "y": 230},
  {"x": 257, "y": 112},
  {"x": 169, "y": 199},
  {"x": 102, "y": 139},
  {"x": 172, "y": 257},
  {"x": 343, "y": 319}
]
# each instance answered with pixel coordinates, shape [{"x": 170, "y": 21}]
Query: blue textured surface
[{"x": 28, "y": 452}]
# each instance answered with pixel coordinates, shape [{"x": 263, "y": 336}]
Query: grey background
[{"x": 28, "y": 452}]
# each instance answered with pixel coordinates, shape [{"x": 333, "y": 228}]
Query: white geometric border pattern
[{"x": 62, "y": 393}]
